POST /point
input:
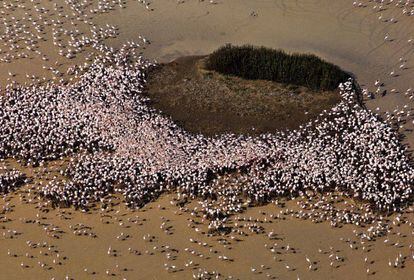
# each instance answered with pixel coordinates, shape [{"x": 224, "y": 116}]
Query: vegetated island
[{"x": 244, "y": 90}]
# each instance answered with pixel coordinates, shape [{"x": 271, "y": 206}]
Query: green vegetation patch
[{"x": 260, "y": 63}]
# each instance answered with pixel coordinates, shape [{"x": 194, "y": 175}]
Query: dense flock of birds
[
  {"x": 11, "y": 180},
  {"x": 118, "y": 143}
]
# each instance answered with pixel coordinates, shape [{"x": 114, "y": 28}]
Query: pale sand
[{"x": 350, "y": 37}]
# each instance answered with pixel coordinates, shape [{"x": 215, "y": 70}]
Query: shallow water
[{"x": 293, "y": 241}]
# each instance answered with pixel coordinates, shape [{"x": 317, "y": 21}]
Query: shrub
[{"x": 262, "y": 63}]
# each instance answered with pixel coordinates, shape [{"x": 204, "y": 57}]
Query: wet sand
[{"x": 335, "y": 30}]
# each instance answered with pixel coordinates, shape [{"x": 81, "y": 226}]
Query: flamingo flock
[{"x": 118, "y": 143}]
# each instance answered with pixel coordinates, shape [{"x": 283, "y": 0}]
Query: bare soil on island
[{"x": 207, "y": 102}]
